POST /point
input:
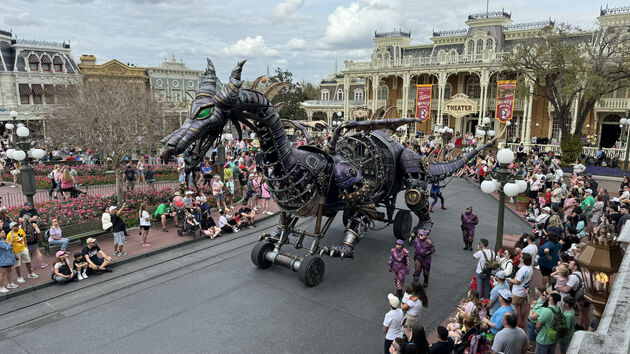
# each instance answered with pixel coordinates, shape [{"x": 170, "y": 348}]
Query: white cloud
[
  {"x": 296, "y": 43},
  {"x": 286, "y": 8},
  {"x": 250, "y": 47},
  {"x": 23, "y": 19},
  {"x": 281, "y": 62}
]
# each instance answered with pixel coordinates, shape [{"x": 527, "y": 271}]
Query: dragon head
[{"x": 209, "y": 112}]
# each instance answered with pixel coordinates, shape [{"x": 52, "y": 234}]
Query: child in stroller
[{"x": 190, "y": 223}]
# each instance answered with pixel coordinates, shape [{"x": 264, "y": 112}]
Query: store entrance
[
  {"x": 610, "y": 135},
  {"x": 471, "y": 125}
]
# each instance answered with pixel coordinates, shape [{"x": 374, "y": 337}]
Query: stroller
[
  {"x": 474, "y": 340},
  {"x": 75, "y": 192},
  {"x": 184, "y": 225}
]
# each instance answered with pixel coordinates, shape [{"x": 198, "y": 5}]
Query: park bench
[{"x": 76, "y": 233}]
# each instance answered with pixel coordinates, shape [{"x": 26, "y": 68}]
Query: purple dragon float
[{"x": 355, "y": 174}]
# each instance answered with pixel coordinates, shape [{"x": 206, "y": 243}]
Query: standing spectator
[
  {"x": 544, "y": 343},
  {"x": 520, "y": 287},
  {"x": 140, "y": 169},
  {"x": 568, "y": 303},
  {"x": 392, "y": 324},
  {"x": 414, "y": 306},
  {"x": 217, "y": 192},
  {"x": 399, "y": 265},
  {"x": 17, "y": 239},
  {"x": 251, "y": 192},
  {"x": 62, "y": 271},
  {"x": 67, "y": 182},
  {"x": 95, "y": 256},
  {"x": 106, "y": 220},
  {"x": 415, "y": 340},
  {"x": 7, "y": 261},
  {"x": 511, "y": 339},
  {"x": 257, "y": 190},
  {"x": 181, "y": 167},
  {"x": 445, "y": 344},
  {"x": 32, "y": 239},
  {"x": 55, "y": 236},
  {"x": 145, "y": 223},
  {"x": 149, "y": 176},
  {"x": 119, "y": 229},
  {"x": 531, "y": 247},
  {"x": 469, "y": 220},
  {"x": 229, "y": 191},
  {"x": 494, "y": 304},
  {"x": 54, "y": 189},
  {"x": 548, "y": 256},
  {"x": 129, "y": 176},
  {"x": 265, "y": 196},
  {"x": 206, "y": 171},
  {"x": 30, "y": 211},
  {"x": 482, "y": 256},
  {"x": 15, "y": 172},
  {"x": 5, "y": 221}
]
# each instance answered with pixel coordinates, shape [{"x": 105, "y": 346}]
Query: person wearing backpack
[
  {"x": 486, "y": 263},
  {"x": 576, "y": 290},
  {"x": 551, "y": 326},
  {"x": 568, "y": 303}
]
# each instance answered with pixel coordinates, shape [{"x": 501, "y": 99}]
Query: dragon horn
[
  {"x": 229, "y": 94},
  {"x": 445, "y": 169},
  {"x": 208, "y": 80}
]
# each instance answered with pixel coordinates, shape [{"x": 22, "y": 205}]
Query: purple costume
[
  {"x": 422, "y": 258},
  {"x": 469, "y": 220},
  {"x": 399, "y": 265}
]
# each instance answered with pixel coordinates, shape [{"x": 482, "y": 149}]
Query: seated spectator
[
  {"x": 191, "y": 220},
  {"x": 164, "y": 211},
  {"x": 445, "y": 344},
  {"x": 55, "y": 235},
  {"x": 62, "y": 271},
  {"x": 415, "y": 338},
  {"x": 7, "y": 261},
  {"x": 95, "y": 256},
  {"x": 470, "y": 305},
  {"x": 224, "y": 224},
  {"x": 28, "y": 209},
  {"x": 208, "y": 226},
  {"x": 495, "y": 323},
  {"x": 247, "y": 214},
  {"x": 80, "y": 266},
  {"x": 511, "y": 339}
]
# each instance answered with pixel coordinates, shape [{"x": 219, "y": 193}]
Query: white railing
[
  {"x": 613, "y": 104},
  {"x": 519, "y": 104},
  {"x": 410, "y": 62},
  {"x": 379, "y": 103},
  {"x": 590, "y": 151}
]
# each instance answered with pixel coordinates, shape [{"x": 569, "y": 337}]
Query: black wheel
[
  {"x": 402, "y": 224},
  {"x": 258, "y": 254},
  {"x": 311, "y": 271},
  {"x": 179, "y": 232}
]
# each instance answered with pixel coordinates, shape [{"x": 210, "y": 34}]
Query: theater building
[{"x": 463, "y": 67}]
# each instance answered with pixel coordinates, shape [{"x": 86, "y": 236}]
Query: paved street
[{"x": 208, "y": 297}]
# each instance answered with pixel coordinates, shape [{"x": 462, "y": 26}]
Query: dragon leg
[
  {"x": 355, "y": 230},
  {"x": 417, "y": 199}
]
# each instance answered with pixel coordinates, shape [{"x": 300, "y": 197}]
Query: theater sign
[{"x": 460, "y": 105}]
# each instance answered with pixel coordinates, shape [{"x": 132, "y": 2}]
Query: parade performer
[
  {"x": 469, "y": 220},
  {"x": 436, "y": 193},
  {"x": 399, "y": 265},
  {"x": 422, "y": 259}
]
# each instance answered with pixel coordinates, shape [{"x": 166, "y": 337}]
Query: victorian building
[
  {"x": 30, "y": 73},
  {"x": 113, "y": 69},
  {"x": 463, "y": 67}
]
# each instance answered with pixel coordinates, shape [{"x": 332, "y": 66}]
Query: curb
[{"x": 121, "y": 261}]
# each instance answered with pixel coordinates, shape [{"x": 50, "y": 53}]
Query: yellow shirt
[{"x": 20, "y": 241}]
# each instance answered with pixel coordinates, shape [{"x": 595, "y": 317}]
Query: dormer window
[
  {"x": 340, "y": 94},
  {"x": 325, "y": 95},
  {"x": 33, "y": 62},
  {"x": 57, "y": 64},
  {"x": 46, "y": 63}
]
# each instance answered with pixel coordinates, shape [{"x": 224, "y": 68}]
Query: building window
[
  {"x": 57, "y": 64},
  {"x": 452, "y": 56},
  {"x": 480, "y": 46},
  {"x": 473, "y": 89},
  {"x": 471, "y": 47},
  {"x": 325, "y": 95},
  {"x": 49, "y": 94},
  {"x": 38, "y": 93},
  {"x": 383, "y": 92},
  {"x": 25, "y": 93},
  {"x": 33, "y": 62},
  {"x": 340, "y": 94},
  {"x": 555, "y": 128},
  {"x": 358, "y": 95},
  {"x": 447, "y": 91},
  {"x": 489, "y": 44},
  {"x": 46, "y": 63}
]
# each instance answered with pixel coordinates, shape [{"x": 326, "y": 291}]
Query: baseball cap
[
  {"x": 27, "y": 204},
  {"x": 500, "y": 274},
  {"x": 393, "y": 300},
  {"x": 547, "y": 209},
  {"x": 590, "y": 191},
  {"x": 112, "y": 208},
  {"x": 60, "y": 253},
  {"x": 505, "y": 293},
  {"x": 13, "y": 224},
  {"x": 400, "y": 242},
  {"x": 90, "y": 240},
  {"x": 616, "y": 200}
]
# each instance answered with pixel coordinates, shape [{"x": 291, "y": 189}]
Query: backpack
[
  {"x": 558, "y": 327},
  {"x": 491, "y": 265},
  {"x": 578, "y": 294}
]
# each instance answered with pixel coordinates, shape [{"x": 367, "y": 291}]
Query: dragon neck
[{"x": 274, "y": 142}]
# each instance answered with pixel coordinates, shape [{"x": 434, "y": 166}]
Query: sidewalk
[
  {"x": 13, "y": 196},
  {"x": 160, "y": 241}
]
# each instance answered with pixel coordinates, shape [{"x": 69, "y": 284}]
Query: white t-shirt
[
  {"x": 143, "y": 221},
  {"x": 415, "y": 307},
  {"x": 524, "y": 275},
  {"x": 405, "y": 298},
  {"x": 393, "y": 322},
  {"x": 573, "y": 282},
  {"x": 481, "y": 261},
  {"x": 532, "y": 250},
  {"x": 222, "y": 221}
]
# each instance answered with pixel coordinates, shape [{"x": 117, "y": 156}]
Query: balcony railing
[
  {"x": 590, "y": 151},
  {"x": 617, "y": 104},
  {"x": 379, "y": 103},
  {"x": 412, "y": 62}
]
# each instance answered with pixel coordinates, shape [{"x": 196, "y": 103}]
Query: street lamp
[
  {"x": 625, "y": 122},
  {"x": 485, "y": 130},
  {"x": 25, "y": 153},
  {"x": 505, "y": 183}
]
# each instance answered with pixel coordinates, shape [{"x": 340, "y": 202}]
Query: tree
[
  {"x": 290, "y": 96},
  {"x": 565, "y": 64},
  {"x": 110, "y": 116}
]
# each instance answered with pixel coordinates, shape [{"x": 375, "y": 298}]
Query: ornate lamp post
[
  {"x": 485, "y": 130},
  {"x": 25, "y": 153},
  {"x": 506, "y": 185},
  {"x": 625, "y": 123},
  {"x": 599, "y": 260}
]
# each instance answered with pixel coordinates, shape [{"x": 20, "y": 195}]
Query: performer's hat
[
  {"x": 393, "y": 300},
  {"x": 400, "y": 242}
]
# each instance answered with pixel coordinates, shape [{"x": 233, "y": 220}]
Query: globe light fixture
[
  {"x": 22, "y": 131},
  {"x": 511, "y": 189},
  {"x": 9, "y": 126},
  {"x": 491, "y": 133},
  {"x": 508, "y": 123},
  {"x": 9, "y": 153},
  {"x": 522, "y": 185},
  {"x": 19, "y": 155},
  {"x": 505, "y": 156},
  {"x": 486, "y": 120},
  {"x": 481, "y": 132},
  {"x": 13, "y": 114},
  {"x": 623, "y": 121},
  {"x": 488, "y": 186}
]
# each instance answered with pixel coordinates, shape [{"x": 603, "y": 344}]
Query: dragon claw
[{"x": 341, "y": 251}]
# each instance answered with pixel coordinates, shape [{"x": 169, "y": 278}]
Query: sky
[{"x": 305, "y": 37}]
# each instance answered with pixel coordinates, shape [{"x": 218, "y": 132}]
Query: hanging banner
[
  {"x": 423, "y": 102},
  {"x": 505, "y": 100}
]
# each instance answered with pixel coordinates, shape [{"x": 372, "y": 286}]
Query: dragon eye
[{"x": 204, "y": 113}]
